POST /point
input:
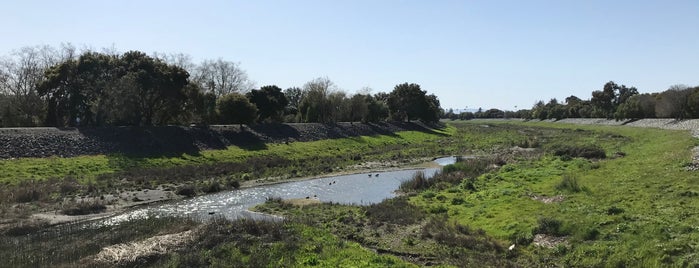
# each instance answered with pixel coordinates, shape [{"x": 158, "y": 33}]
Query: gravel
[{"x": 691, "y": 124}]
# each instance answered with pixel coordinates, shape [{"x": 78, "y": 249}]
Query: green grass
[
  {"x": 635, "y": 208},
  {"x": 653, "y": 219},
  {"x": 88, "y": 168}
]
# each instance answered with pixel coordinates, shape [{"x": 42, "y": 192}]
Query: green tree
[
  {"x": 359, "y": 107},
  {"x": 293, "y": 96},
  {"x": 235, "y": 108},
  {"x": 377, "y": 109},
  {"x": 603, "y": 100},
  {"x": 131, "y": 89},
  {"x": 270, "y": 102},
  {"x": 672, "y": 103},
  {"x": 409, "y": 102}
]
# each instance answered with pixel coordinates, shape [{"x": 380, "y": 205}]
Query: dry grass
[{"x": 126, "y": 253}]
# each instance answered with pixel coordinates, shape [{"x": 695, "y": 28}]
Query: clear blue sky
[{"x": 469, "y": 53}]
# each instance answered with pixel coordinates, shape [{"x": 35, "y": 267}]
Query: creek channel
[{"x": 356, "y": 189}]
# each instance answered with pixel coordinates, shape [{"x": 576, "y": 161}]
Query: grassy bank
[
  {"x": 634, "y": 207},
  {"x": 541, "y": 194},
  {"x": 49, "y": 180}
]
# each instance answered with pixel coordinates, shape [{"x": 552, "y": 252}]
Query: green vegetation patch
[{"x": 631, "y": 210}]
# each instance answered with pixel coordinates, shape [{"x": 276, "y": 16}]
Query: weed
[
  {"x": 569, "y": 182},
  {"x": 187, "y": 190},
  {"x": 84, "y": 208},
  {"x": 550, "y": 226},
  {"x": 584, "y": 151}
]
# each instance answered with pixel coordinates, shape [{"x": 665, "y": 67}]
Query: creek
[{"x": 356, "y": 189}]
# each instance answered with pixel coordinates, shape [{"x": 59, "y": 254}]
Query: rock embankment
[
  {"x": 663, "y": 123},
  {"x": 46, "y": 142}
]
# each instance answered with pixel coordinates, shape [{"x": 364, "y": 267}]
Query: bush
[
  {"x": 569, "y": 182},
  {"x": 591, "y": 234},
  {"x": 396, "y": 211},
  {"x": 584, "y": 151},
  {"x": 212, "y": 187},
  {"x": 187, "y": 190},
  {"x": 418, "y": 182},
  {"x": 85, "y": 208},
  {"x": 550, "y": 226},
  {"x": 613, "y": 210}
]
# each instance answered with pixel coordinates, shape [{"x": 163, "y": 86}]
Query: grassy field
[
  {"x": 593, "y": 196},
  {"x": 635, "y": 208}
]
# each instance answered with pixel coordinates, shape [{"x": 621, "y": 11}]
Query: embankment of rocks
[
  {"x": 164, "y": 140},
  {"x": 663, "y": 123}
]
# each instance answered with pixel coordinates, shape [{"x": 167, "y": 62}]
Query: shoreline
[{"x": 52, "y": 218}]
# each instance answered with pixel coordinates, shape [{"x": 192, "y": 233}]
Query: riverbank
[
  {"x": 174, "y": 140},
  {"x": 41, "y": 191},
  {"x": 691, "y": 125},
  {"x": 118, "y": 203}
]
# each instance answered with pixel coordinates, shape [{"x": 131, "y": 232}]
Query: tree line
[
  {"x": 47, "y": 86},
  {"x": 613, "y": 101},
  {"x": 620, "y": 102}
]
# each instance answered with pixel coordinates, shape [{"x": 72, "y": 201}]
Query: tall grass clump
[
  {"x": 569, "y": 182},
  {"x": 418, "y": 182},
  {"x": 590, "y": 151}
]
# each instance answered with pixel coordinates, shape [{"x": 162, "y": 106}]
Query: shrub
[
  {"x": 186, "y": 190},
  {"x": 585, "y": 151},
  {"x": 212, "y": 187},
  {"x": 613, "y": 210},
  {"x": 84, "y": 208},
  {"x": 418, "y": 182},
  {"x": 550, "y": 226},
  {"x": 590, "y": 234},
  {"x": 569, "y": 182},
  {"x": 396, "y": 211}
]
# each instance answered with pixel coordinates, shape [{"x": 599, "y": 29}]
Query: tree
[
  {"x": 603, "y": 101},
  {"x": 315, "y": 106},
  {"x": 672, "y": 103},
  {"x": 270, "y": 102},
  {"x": 19, "y": 75},
  {"x": 539, "y": 110},
  {"x": 235, "y": 108},
  {"x": 693, "y": 102},
  {"x": 222, "y": 77},
  {"x": 293, "y": 96},
  {"x": 131, "y": 89},
  {"x": 339, "y": 106},
  {"x": 408, "y": 102},
  {"x": 433, "y": 110}
]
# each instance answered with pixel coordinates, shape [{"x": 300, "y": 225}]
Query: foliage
[
  {"x": 98, "y": 89},
  {"x": 270, "y": 102},
  {"x": 409, "y": 102},
  {"x": 590, "y": 151},
  {"x": 610, "y": 217},
  {"x": 235, "y": 108}
]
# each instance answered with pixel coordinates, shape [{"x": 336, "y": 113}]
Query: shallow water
[{"x": 358, "y": 189}]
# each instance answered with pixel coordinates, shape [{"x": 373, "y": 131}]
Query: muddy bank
[{"x": 164, "y": 140}]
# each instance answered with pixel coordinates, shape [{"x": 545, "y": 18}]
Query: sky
[{"x": 471, "y": 54}]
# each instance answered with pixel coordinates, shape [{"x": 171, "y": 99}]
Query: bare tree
[
  {"x": 315, "y": 105},
  {"x": 222, "y": 77},
  {"x": 181, "y": 60}
]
